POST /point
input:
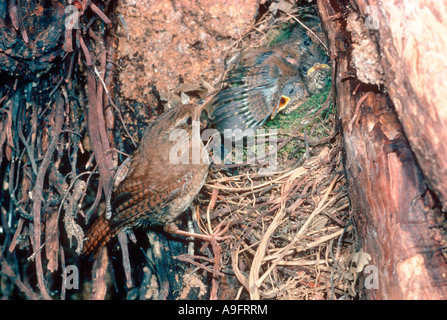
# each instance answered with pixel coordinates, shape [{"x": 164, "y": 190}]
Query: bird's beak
[
  {"x": 281, "y": 105},
  {"x": 316, "y": 67}
]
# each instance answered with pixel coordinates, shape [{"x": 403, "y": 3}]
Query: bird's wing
[
  {"x": 246, "y": 101},
  {"x": 138, "y": 193}
]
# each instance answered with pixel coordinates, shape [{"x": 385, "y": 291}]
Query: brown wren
[{"x": 158, "y": 182}]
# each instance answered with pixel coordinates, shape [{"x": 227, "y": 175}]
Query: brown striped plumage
[{"x": 151, "y": 187}]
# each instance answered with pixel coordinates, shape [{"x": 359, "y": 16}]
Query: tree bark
[
  {"x": 375, "y": 87},
  {"x": 412, "y": 43}
]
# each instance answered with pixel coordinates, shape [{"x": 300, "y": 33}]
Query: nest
[{"x": 289, "y": 229}]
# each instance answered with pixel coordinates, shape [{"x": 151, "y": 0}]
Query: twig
[
  {"x": 64, "y": 274},
  {"x": 254, "y": 278},
  {"x": 100, "y": 13},
  {"x": 7, "y": 270},
  {"x": 88, "y": 57},
  {"x": 200, "y": 265},
  {"x": 16, "y": 234},
  {"x": 122, "y": 238},
  {"x": 99, "y": 271},
  {"x": 25, "y": 143},
  {"x": 336, "y": 258},
  {"x": 38, "y": 190},
  {"x": 301, "y": 231},
  {"x": 97, "y": 132},
  {"x": 114, "y": 106}
]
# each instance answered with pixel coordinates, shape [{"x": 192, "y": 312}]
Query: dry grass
[{"x": 290, "y": 227}]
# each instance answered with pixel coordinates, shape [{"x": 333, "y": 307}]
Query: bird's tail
[{"x": 98, "y": 235}]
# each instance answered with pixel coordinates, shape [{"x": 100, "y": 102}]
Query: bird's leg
[{"x": 173, "y": 229}]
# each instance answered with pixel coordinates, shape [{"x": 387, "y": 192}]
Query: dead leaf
[{"x": 361, "y": 259}]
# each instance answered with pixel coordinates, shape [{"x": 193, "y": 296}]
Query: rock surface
[{"x": 169, "y": 43}]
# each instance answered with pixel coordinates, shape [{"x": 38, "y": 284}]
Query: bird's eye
[
  {"x": 291, "y": 91},
  {"x": 306, "y": 43},
  {"x": 189, "y": 121},
  {"x": 305, "y": 69}
]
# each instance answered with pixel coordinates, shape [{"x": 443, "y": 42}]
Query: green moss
[
  {"x": 287, "y": 124},
  {"x": 292, "y": 120},
  {"x": 280, "y": 34}
]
